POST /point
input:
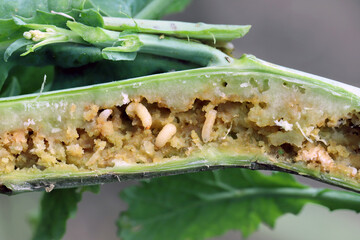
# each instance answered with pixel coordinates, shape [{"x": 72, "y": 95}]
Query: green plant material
[
  {"x": 4, "y": 71},
  {"x": 207, "y": 204},
  {"x": 9, "y": 31},
  {"x": 59, "y": 19},
  {"x": 57, "y": 12},
  {"x": 115, "y": 44},
  {"x": 79, "y": 65},
  {"x": 57, "y": 207},
  {"x": 28, "y": 8},
  {"x": 82, "y": 47},
  {"x": 107, "y": 71},
  {"x": 44, "y": 29},
  {"x": 41, "y": 35},
  {"x": 22, "y": 42},
  {"x": 147, "y": 9},
  {"x": 151, "y": 44},
  {"x": 85, "y": 42},
  {"x": 178, "y": 29},
  {"x": 12, "y": 89},
  {"x": 244, "y": 80},
  {"x": 30, "y": 79}
]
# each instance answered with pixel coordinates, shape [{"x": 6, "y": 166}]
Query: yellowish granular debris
[
  {"x": 46, "y": 159},
  {"x": 91, "y": 112},
  {"x": 19, "y": 142},
  {"x": 339, "y": 150},
  {"x": 75, "y": 150},
  {"x": 56, "y": 149},
  {"x": 315, "y": 154},
  {"x": 140, "y": 132},
  {"x": 99, "y": 146},
  {"x": 7, "y": 161},
  {"x": 105, "y": 127},
  {"x": 196, "y": 139},
  {"x": 177, "y": 142},
  {"x": 71, "y": 133}
]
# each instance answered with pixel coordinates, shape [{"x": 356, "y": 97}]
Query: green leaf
[
  {"x": 9, "y": 31},
  {"x": 207, "y": 204},
  {"x": 156, "y": 9},
  {"x": 53, "y": 12},
  {"x": 73, "y": 55},
  {"x": 46, "y": 12},
  {"x": 4, "y": 71},
  {"x": 31, "y": 78},
  {"x": 117, "y": 8},
  {"x": 94, "y": 35},
  {"x": 106, "y": 71},
  {"x": 89, "y": 17},
  {"x": 12, "y": 89},
  {"x": 22, "y": 42},
  {"x": 150, "y": 9},
  {"x": 41, "y": 17},
  {"x": 57, "y": 207},
  {"x": 28, "y": 8}
]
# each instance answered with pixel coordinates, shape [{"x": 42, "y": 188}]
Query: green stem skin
[
  {"x": 201, "y": 31},
  {"x": 176, "y": 90},
  {"x": 153, "y": 44},
  {"x": 184, "y": 50},
  {"x": 112, "y": 41},
  {"x": 193, "y": 52}
]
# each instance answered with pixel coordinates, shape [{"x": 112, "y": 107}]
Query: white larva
[
  {"x": 104, "y": 115},
  {"x": 141, "y": 111},
  {"x": 164, "y": 136},
  {"x": 210, "y": 117}
]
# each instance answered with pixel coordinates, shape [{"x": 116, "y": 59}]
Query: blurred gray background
[{"x": 317, "y": 36}]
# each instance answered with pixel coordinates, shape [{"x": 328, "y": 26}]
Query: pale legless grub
[
  {"x": 139, "y": 110},
  {"x": 106, "y": 127},
  {"x": 210, "y": 117},
  {"x": 164, "y": 136},
  {"x": 104, "y": 115}
]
